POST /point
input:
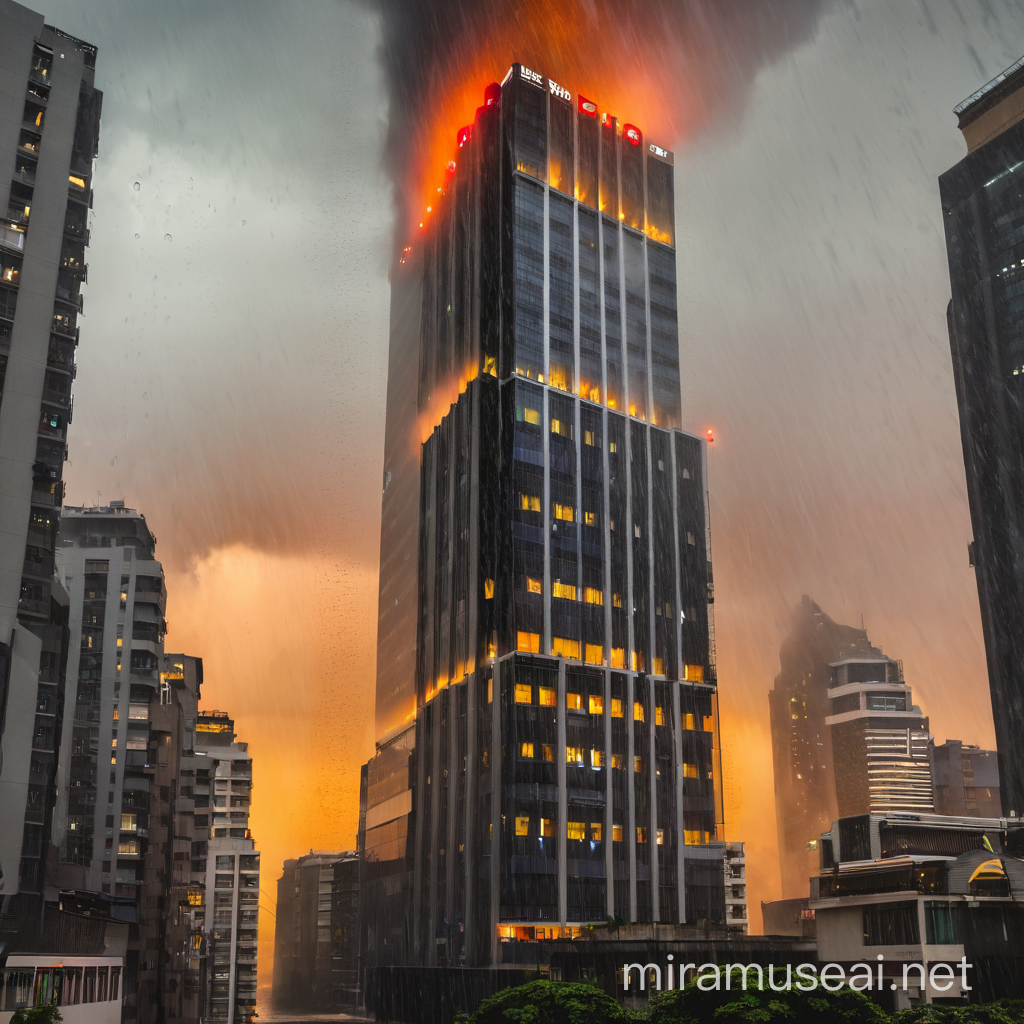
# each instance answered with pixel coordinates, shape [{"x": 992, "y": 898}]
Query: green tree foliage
[
  {"x": 48, "y": 1014},
  {"x": 1004, "y": 1011},
  {"x": 550, "y": 1002},
  {"x": 763, "y": 1005}
]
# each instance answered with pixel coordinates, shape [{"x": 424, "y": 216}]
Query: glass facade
[{"x": 564, "y": 764}]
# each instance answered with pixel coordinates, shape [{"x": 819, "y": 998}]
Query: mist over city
[{"x": 527, "y": 495}]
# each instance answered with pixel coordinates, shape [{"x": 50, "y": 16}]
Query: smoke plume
[{"x": 673, "y": 67}]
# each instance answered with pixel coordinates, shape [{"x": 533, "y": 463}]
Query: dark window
[
  {"x": 590, "y": 308},
  {"x": 636, "y": 324},
  {"x": 587, "y": 133},
  {"x": 661, "y": 264},
  {"x": 632, "y": 168},
  {"x": 891, "y": 924},
  {"x": 661, "y": 209},
  {"x": 612, "y": 313},
  {"x": 529, "y": 250},
  {"x": 941, "y": 923},
  {"x": 560, "y": 168},
  {"x": 530, "y": 130},
  {"x": 609, "y": 201}
]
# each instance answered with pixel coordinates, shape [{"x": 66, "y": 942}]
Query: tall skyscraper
[
  {"x": 805, "y": 788},
  {"x": 546, "y": 694},
  {"x": 123, "y": 823},
  {"x": 879, "y": 738},
  {"x": 983, "y": 211},
  {"x": 49, "y": 127},
  {"x": 230, "y": 873}
]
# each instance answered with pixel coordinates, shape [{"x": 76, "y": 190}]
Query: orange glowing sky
[{"x": 233, "y": 356}]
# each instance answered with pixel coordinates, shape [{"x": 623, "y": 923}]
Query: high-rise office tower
[
  {"x": 315, "y": 934},
  {"x": 49, "y": 125},
  {"x": 805, "y": 788},
  {"x": 879, "y": 739},
  {"x": 127, "y": 735},
  {"x": 983, "y": 211},
  {"x": 230, "y": 873},
  {"x": 546, "y": 692},
  {"x": 965, "y": 780}
]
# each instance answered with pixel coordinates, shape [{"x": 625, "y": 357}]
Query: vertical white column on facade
[
  {"x": 609, "y": 812},
  {"x": 496, "y": 823},
  {"x": 652, "y": 836},
  {"x": 545, "y": 643},
  {"x": 677, "y": 779}
]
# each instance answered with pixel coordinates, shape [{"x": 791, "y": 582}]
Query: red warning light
[
  {"x": 632, "y": 133},
  {"x": 711, "y": 434},
  {"x": 492, "y": 95}
]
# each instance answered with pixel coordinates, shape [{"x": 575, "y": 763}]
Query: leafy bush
[
  {"x": 818, "y": 1006},
  {"x": 48, "y": 1014},
  {"x": 550, "y": 1002},
  {"x": 1003, "y": 1011}
]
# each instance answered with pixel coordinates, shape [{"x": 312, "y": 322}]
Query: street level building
[
  {"x": 965, "y": 780},
  {"x": 547, "y": 730},
  {"x": 983, "y": 212},
  {"x": 316, "y": 934},
  {"x": 49, "y": 127},
  {"x": 900, "y": 889},
  {"x": 227, "y": 868}
]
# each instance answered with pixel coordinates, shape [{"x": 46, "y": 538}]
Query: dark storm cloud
[{"x": 704, "y": 54}]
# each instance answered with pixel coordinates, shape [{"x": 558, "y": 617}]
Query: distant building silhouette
[
  {"x": 965, "y": 780},
  {"x": 805, "y": 792}
]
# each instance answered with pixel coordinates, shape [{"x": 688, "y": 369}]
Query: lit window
[
  {"x": 659, "y": 669},
  {"x": 561, "y": 427},
  {"x": 588, "y": 437},
  {"x": 594, "y": 654},
  {"x": 128, "y": 823},
  {"x": 613, "y": 447},
  {"x": 694, "y": 673},
  {"x": 524, "y": 693},
  {"x": 522, "y": 826},
  {"x": 616, "y": 833},
  {"x": 592, "y": 595},
  {"x": 637, "y": 659},
  {"x": 688, "y": 722},
  {"x": 534, "y": 586},
  {"x": 638, "y": 763},
  {"x": 548, "y": 697},
  {"x": 488, "y": 589},
  {"x": 616, "y": 600},
  {"x": 596, "y": 758},
  {"x": 128, "y": 847},
  {"x": 616, "y": 708},
  {"x": 113, "y": 742},
  {"x": 574, "y": 701},
  {"x": 564, "y": 512},
  {"x": 490, "y": 691},
  {"x": 529, "y": 643},
  {"x": 661, "y": 837},
  {"x": 120, "y": 641},
  {"x": 693, "y": 837},
  {"x": 611, "y": 525},
  {"x": 527, "y": 414},
  {"x": 616, "y": 760},
  {"x": 641, "y": 834},
  {"x": 574, "y": 755},
  {"x": 618, "y": 657},
  {"x": 636, "y": 530},
  {"x": 566, "y": 591},
  {"x": 596, "y": 704},
  {"x": 547, "y": 826},
  {"x": 576, "y": 830},
  {"x": 563, "y": 647},
  {"x": 526, "y": 750},
  {"x": 595, "y": 831},
  {"x": 489, "y": 366},
  {"x": 689, "y": 771},
  {"x": 529, "y": 502},
  {"x": 548, "y": 752},
  {"x": 638, "y": 711},
  {"x": 590, "y": 518},
  {"x": 659, "y": 716},
  {"x": 76, "y": 180}
]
